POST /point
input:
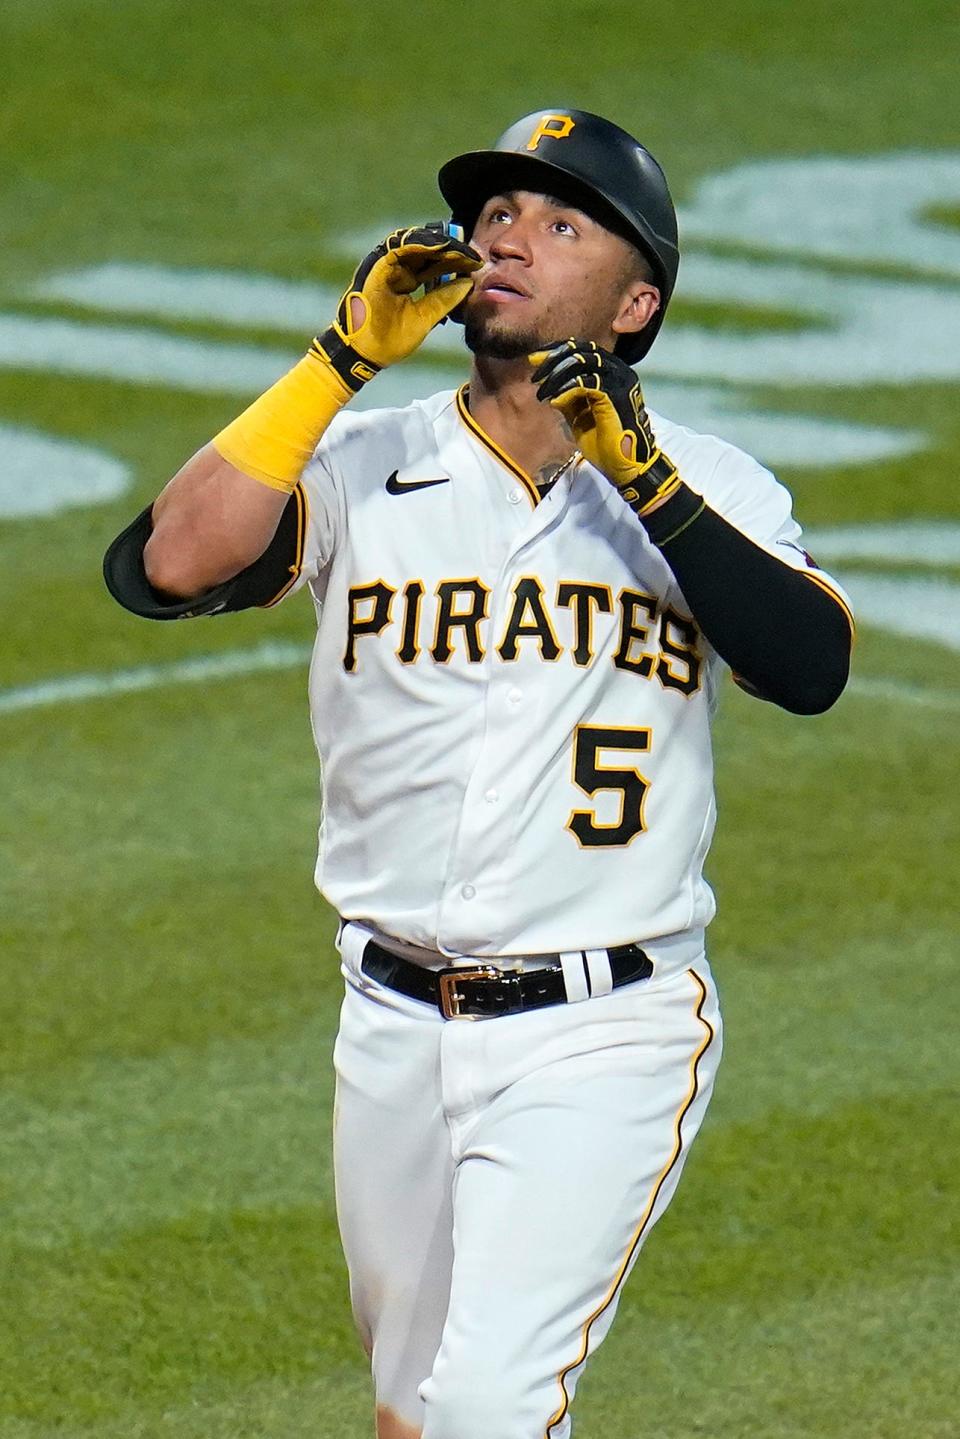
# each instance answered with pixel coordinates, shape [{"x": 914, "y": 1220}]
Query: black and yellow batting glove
[
  {"x": 378, "y": 322},
  {"x": 600, "y": 398}
]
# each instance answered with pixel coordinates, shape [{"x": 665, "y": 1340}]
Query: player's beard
[
  {"x": 484, "y": 339},
  {"x": 498, "y": 335}
]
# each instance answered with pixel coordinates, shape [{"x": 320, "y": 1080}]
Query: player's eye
[
  {"x": 498, "y": 216},
  {"x": 563, "y": 227}
]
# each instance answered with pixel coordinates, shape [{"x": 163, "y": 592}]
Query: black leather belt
[{"x": 482, "y": 991}]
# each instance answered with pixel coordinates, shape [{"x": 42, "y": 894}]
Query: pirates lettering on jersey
[
  {"x": 652, "y": 642},
  {"x": 369, "y": 614},
  {"x": 637, "y": 614},
  {"x": 408, "y": 650},
  {"x": 461, "y": 604},
  {"x": 679, "y": 663},
  {"x": 585, "y": 600},
  {"x": 529, "y": 618}
]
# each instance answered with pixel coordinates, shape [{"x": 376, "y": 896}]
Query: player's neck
[{"x": 505, "y": 406}]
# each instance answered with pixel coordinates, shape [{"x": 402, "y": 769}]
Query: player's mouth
[{"x": 501, "y": 290}]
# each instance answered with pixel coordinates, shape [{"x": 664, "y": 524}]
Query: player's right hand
[{"x": 378, "y": 320}]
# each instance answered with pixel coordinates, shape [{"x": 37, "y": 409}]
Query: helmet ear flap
[{"x": 590, "y": 162}]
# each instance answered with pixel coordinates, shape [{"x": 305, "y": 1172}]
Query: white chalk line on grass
[
  {"x": 902, "y": 692},
  {"x": 274, "y": 655},
  {"x": 285, "y": 654}
]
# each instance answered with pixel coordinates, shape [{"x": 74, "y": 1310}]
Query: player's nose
[{"x": 510, "y": 243}]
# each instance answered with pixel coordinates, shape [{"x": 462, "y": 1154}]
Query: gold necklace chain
[{"x": 573, "y": 459}]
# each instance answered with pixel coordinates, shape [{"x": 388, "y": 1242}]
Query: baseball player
[{"x": 527, "y": 594}]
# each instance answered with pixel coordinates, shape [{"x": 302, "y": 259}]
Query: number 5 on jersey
[{"x": 592, "y": 776}]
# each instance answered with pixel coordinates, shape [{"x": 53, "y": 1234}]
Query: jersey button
[
  {"x": 491, "y": 796},
  {"x": 514, "y": 496},
  {"x": 468, "y": 891},
  {"x": 514, "y": 696}
]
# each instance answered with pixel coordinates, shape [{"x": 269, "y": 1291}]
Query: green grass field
[{"x": 168, "y": 1251}]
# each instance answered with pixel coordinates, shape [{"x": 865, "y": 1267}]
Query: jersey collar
[{"x": 529, "y": 484}]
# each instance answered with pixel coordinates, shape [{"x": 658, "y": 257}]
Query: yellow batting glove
[
  {"x": 378, "y": 322},
  {"x": 600, "y": 398}
]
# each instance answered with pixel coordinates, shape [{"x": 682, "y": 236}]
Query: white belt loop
[
  {"x": 351, "y": 942},
  {"x": 598, "y": 968},
  {"x": 574, "y": 976}
]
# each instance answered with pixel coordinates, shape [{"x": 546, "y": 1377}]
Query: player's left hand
[{"x": 600, "y": 398}]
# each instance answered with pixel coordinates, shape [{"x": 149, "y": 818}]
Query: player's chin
[{"x": 496, "y": 336}]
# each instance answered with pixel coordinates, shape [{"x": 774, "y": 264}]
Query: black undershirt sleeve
[
  {"x": 260, "y": 584},
  {"x": 785, "y": 638}
]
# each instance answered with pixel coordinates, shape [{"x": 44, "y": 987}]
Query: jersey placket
[{"x": 473, "y": 912}]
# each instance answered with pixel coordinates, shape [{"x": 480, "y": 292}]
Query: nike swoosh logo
[{"x": 403, "y": 487}]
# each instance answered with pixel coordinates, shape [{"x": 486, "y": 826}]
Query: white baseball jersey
[{"x": 510, "y": 699}]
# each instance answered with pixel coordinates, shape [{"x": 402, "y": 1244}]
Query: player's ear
[{"x": 638, "y": 305}]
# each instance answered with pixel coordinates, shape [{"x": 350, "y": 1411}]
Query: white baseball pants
[{"x": 496, "y": 1179}]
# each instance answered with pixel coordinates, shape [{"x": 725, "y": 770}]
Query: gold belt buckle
[{"x": 450, "y": 996}]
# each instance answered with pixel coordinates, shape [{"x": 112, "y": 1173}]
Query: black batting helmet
[{"x": 585, "y": 161}]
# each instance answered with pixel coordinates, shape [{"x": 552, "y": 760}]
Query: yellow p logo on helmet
[{"x": 553, "y": 127}]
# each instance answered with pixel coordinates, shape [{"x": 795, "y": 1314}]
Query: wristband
[
  {"x": 651, "y": 485},
  {"x": 334, "y": 349},
  {"x": 275, "y": 437}
]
